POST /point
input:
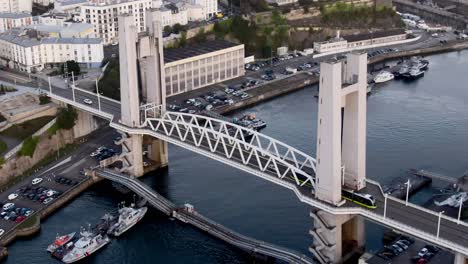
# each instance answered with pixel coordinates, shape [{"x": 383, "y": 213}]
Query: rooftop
[
  {"x": 111, "y": 2},
  {"x": 196, "y": 49},
  {"x": 69, "y": 28},
  {"x": 378, "y": 34},
  {"x": 14, "y": 15},
  {"x": 28, "y": 40}
]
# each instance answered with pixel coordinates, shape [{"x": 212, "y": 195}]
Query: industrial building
[{"x": 202, "y": 64}]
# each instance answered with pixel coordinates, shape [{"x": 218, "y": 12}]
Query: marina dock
[
  {"x": 434, "y": 176},
  {"x": 188, "y": 215}
]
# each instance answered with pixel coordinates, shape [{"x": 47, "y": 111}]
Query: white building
[
  {"x": 15, "y": 6},
  {"x": 66, "y": 30},
  {"x": 202, "y": 64},
  {"x": 55, "y": 19},
  {"x": 171, "y": 14},
  {"x": 25, "y": 50},
  {"x": 103, "y": 15},
  {"x": 359, "y": 41},
  {"x": 332, "y": 45},
  {"x": 210, "y": 6},
  {"x": 281, "y": 2},
  {"x": 69, "y": 6},
  {"x": 43, "y": 2},
  {"x": 14, "y": 20}
]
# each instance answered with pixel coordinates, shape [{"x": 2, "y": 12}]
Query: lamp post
[
  {"x": 407, "y": 191},
  {"x": 385, "y": 206},
  {"x": 438, "y": 223},
  {"x": 462, "y": 199},
  {"x": 98, "y": 98}
]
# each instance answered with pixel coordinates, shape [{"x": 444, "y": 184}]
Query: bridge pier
[
  {"x": 460, "y": 259},
  {"x": 157, "y": 151},
  {"x": 336, "y": 237},
  {"x": 84, "y": 124},
  {"x": 131, "y": 156}
]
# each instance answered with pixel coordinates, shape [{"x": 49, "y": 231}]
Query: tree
[
  {"x": 183, "y": 39},
  {"x": 29, "y": 146},
  {"x": 72, "y": 66},
  {"x": 66, "y": 117},
  {"x": 200, "y": 36},
  {"x": 167, "y": 30},
  {"x": 178, "y": 28}
]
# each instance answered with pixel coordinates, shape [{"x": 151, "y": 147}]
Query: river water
[{"x": 422, "y": 124}]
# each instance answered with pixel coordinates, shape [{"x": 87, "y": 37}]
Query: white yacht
[
  {"x": 383, "y": 76},
  {"x": 454, "y": 200},
  {"x": 128, "y": 217},
  {"x": 85, "y": 246}
]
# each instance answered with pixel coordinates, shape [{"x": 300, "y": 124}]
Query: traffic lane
[{"x": 424, "y": 221}]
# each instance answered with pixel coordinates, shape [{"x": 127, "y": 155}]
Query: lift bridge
[{"x": 341, "y": 143}]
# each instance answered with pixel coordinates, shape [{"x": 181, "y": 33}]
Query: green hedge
[
  {"x": 29, "y": 146},
  {"x": 3, "y": 146}
]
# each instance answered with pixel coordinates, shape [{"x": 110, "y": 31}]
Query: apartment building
[
  {"x": 14, "y": 20},
  {"x": 26, "y": 50},
  {"x": 103, "y": 15},
  {"x": 15, "y": 6}
]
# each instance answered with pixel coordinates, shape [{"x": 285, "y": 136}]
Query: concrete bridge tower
[
  {"x": 141, "y": 66},
  {"x": 131, "y": 157},
  {"x": 341, "y": 154},
  {"x": 151, "y": 62}
]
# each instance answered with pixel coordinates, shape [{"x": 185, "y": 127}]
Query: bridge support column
[
  {"x": 336, "y": 237},
  {"x": 460, "y": 259},
  {"x": 84, "y": 124},
  {"x": 157, "y": 151},
  {"x": 131, "y": 156}
]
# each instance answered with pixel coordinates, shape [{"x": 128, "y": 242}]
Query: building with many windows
[
  {"x": 103, "y": 14},
  {"x": 210, "y": 6},
  {"x": 26, "y": 50},
  {"x": 180, "y": 13},
  {"x": 14, "y": 20},
  {"x": 15, "y": 6},
  {"x": 202, "y": 64}
]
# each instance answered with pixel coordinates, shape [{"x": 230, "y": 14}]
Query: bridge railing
[
  {"x": 176, "y": 126},
  {"x": 417, "y": 207}
]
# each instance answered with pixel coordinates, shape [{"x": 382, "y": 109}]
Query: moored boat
[{"x": 60, "y": 241}]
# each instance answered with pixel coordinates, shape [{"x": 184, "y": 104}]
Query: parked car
[
  {"x": 2, "y": 232},
  {"x": 36, "y": 181},
  {"x": 48, "y": 200},
  {"x": 8, "y": 206},
  {"x": 20, "y": 219},
  {"x": 12, "y": 196},
  {"x": 28, "y": 213},
  {"x": 423, "y": 252}
]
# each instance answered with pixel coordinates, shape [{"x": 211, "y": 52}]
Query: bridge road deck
[
  {"x": 414, "y": 220},
  {"x": 396, "y": 210}
]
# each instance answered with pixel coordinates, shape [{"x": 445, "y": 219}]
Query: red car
[{"x": 19, "y": 219}]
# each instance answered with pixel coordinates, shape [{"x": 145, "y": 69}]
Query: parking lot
[
  {"x": 403, "y": 249},
  {"x": 56, "y": 179}
]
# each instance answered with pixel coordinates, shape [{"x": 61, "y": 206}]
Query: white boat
[
  {"x": 60, "y": 241},
  {"x": 85, "y": 246},
  {"x": 383, "y": 76},
  {"x": 128, "y": 217},
  {"x": 454, "y": 200}
]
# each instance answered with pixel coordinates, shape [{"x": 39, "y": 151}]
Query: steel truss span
[{"x": 238, "y": 143}]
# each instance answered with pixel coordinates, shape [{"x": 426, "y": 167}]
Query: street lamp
[
  {"x": 385, "y": 206},
  {"x": 438, "y": 223},
  {"x": 462, "y": 199},
  {"x": 408, "y": 184},
  {"x": 97, "y": 91}
]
